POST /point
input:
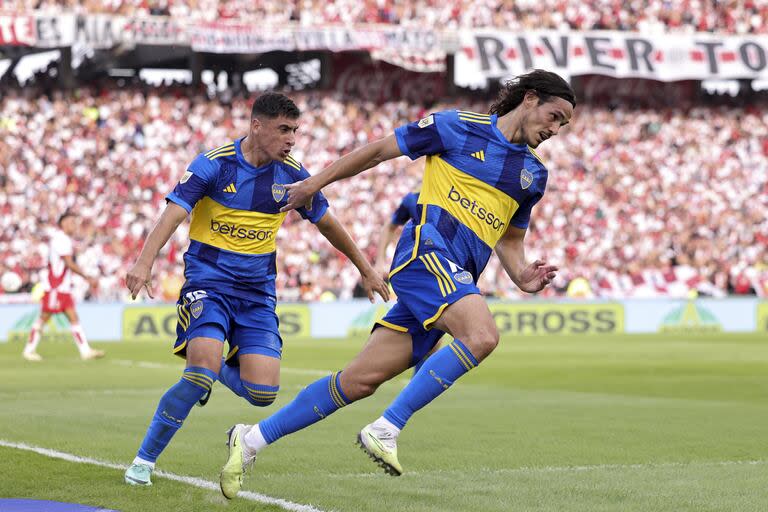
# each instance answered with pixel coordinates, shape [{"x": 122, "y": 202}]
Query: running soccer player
[
  {"x": 234, "y": 194},
  {"x": 480, "y": 182},
  {"x": 58, "y": 291}
]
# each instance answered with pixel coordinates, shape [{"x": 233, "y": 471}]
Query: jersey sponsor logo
[
  {"x": 185, "y": 177},
  {"x": 430, "y": 119},
  {"x": 526, "y": 178},
  {"x": 196, "y": 308},
  {"x": 230, "y": 188},
  {"x": 242, "y": 232},
  {"x": 480, "y": 206},
  {"x": 278, "y": 192},
  {"x": 476, "y": 210}
]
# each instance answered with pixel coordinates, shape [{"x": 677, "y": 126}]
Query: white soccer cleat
[
  {"x": 92, "y": 354},
  {"x": 32, "y": 356},
  {"x": 231, "y": 476},
  {"x": 381, "y": 445}
]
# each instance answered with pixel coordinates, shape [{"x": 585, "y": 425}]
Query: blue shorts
[
  {"x": 250, "y": 327},
  {"x": 425, "y": 287}
]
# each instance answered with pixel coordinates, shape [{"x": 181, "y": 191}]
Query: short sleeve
[
  {"x": 194, "y": 183},
  {"x": 522, "y": 216},
  {"x": 63, "y": 245},
  {"x": 424, "y": 137},
  {"x": 317, "y": 206}
]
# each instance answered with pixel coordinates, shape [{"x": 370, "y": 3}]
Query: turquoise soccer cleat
[
  {"x": 381, "y": 446},
  {"x": 138, "y": 474}
]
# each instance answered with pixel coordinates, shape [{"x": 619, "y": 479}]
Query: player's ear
[
  {"x": 531, "y": 98},
  {"x": 255, "y": 124}
]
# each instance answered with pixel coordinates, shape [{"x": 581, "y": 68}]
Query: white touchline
[{"x": 189, "y": 480}]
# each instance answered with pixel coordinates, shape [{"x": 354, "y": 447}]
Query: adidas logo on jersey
[
  {"x": 230, "y": 188},
  {"x": 480, "y": 155}
]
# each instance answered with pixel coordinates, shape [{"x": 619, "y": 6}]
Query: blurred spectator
[
  {"x": 634, "y": 211},
  {"x": 731, "y": 16}
]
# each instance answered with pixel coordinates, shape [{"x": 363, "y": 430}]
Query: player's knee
[{"x": 482, "y": 342}]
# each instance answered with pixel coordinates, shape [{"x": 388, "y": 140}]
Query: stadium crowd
[
  {"x": 732, "y": 16},
  {"x": 639, "y": 202}
]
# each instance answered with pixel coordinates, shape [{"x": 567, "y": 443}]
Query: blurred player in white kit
[{"x": 58, "y": 291}]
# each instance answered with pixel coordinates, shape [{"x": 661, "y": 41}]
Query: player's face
[
  {"x": 275, "y": 137},
  {"x": 68, "y": 225},
  {"x": 545, "y": 120}
]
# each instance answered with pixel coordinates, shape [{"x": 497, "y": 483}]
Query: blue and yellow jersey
[
  {"x": 407, "y": 210},
  {"x": 476, "y": 184},
  {"x": 235, "y": 211}
]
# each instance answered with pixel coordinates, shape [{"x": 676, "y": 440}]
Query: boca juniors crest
[
  {"x": 278, "y": 192},
  {"x": 196, "y": 308},
  {"x": 463, "y": 277},
  {"x": 526, "y": 178}
]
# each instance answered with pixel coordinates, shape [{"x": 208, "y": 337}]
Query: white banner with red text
[{"x": 488, "y": 55}]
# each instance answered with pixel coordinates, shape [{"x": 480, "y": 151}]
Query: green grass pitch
[{"x": 625, "y": 423}]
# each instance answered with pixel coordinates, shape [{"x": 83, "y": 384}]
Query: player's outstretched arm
[
  {"x": 340, "y": 239},
  {"x": 140, "y": 274},
  {"x": 531, "y": 277},
  {"x": 349, "y": 165},
  {"x": 72, "y": 265}
]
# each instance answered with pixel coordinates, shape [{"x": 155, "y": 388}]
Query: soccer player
[
  {"x": 58, "y": 291},
  {"x": 408, "y": 209},
  {"x": 234, "y": 194},
  {"x": 480, "y": 182}
]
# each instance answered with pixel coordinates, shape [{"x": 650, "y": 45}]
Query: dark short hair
[
  {"x": 67, "y": 213},
  {"x": 544, "y": 83},
  {"x": 273, "y": 104}
]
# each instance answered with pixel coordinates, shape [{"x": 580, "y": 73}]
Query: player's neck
[
  {"x": 252, "y": 154},
  {"x": 511, "y": 126}
]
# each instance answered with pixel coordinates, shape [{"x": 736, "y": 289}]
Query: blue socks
[
  {"x": 437, "y": 374},
  {"x": 259, "y": 395},
  {"x": 173, "y": 409},
  {"x": 318, "y": 400},
  {"x": 418, "y": 366}
]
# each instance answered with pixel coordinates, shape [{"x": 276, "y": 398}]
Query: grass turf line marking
[
  {"x": 563, "y": 469},
  {"x": 189, "y": 480}
]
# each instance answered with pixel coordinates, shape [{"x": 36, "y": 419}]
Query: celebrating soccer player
[
  {"x": 480, "y": 182},
  {"x": 235, "y": 194},
  {"x": 58, "y": 291}
]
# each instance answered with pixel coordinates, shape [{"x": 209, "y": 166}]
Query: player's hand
[
  {"x": 93, "y": 282},
  {"x": 536, "y": 276},
  {"x": 373, "y": 282},
  {"x": 140, "y": 276},
  {"x": 383, "y": 270},
  {"x": 299, "y": 194}
]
